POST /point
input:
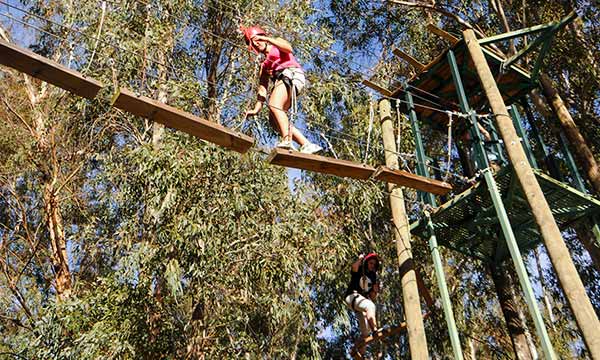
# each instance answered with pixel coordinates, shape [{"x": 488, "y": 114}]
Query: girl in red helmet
[
  {"x": 362, "y": 292},
  {"x": 288, "y": 77}
]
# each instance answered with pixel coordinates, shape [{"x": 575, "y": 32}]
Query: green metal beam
[
  {"x": 480, "y": 155},
  {"x": 444, "y": 293},
  {"x": 433, "y": 243},
  {"x": 507, "y": 231},
  {"x": 570, "y": 161},
  {"x": 499, "y": 60},
  {"x": 540, "y": 59},
  {"x": 514, "y": 34},
  {"x": 514, "y": 113},
  {"x": 529, "y": 48},
  {"x": 544, "y": 38},
  {"x": 420, "y": 148}
]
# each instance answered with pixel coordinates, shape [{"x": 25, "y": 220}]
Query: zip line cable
[
  {"x": 163, "y": 64},
  {"x": 402, "y": 155},
  {"x": 166, "y": 65},
  {"x": 239, "y": 18},
  {"x": 173, "y": 69}
]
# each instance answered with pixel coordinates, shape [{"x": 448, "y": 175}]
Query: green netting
[{"x": 468, "y": 223}]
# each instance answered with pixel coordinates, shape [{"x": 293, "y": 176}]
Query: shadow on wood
[
  {"x": 404, "y": 178},
  {"x": 320, "y": 164},
  {"x": 47, "y": 70},
  {"x": 180, "y": 120}
]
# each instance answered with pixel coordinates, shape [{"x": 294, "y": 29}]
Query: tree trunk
[
  {"x": 50, "y": 170},
  {"x": 58, "y": 242},
  {"x": 499, "y": 10},
  {"x": 589, "y": 242},
  {"x": 582, "y": 150},
  {"x": 158, "y": 130},
  {"x": 510, "y": 309}
]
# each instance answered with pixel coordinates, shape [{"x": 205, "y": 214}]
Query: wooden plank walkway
[
  {"x": 180, "y": 120},
  {"x": 47, "y": 70},
  {"x": 344, "y": 168},
  {"x": 320, "y": 164},
  {"x": 404, "y": 178},
  {"x": 379, "y": 336}
]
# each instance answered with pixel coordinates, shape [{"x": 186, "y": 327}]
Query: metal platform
[{"x": 469, "y": 225}]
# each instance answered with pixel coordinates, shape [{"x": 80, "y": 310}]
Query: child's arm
[
  {"x": 262, "y": 93},
  {"x": 356, "y": 264},
  {"x": 282, "y": 44}
]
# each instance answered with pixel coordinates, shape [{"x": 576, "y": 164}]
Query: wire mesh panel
[{"x": 468, "y": 222}]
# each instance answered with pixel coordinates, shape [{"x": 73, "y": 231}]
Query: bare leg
[
  {"x": 298, "y": 137},
  {"x": 279, "y": 102},
  {"x": 371, "y": 318},
  {"x": 364, "y": 330},
  {"x": 372, "y": 322}
]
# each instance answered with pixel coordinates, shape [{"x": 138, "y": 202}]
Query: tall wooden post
[
  {"x": 557, "y": 250},
  {"x": 410, "y": 292}
]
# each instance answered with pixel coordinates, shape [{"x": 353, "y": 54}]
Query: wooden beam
[
  {"x": 383, "y": 91},
  {"x": 404, "y": 178},
  {"x": 174, "y": 118},
  {"x": 320, "y": 164},
  {"x": 446, "y": 35},
  {"x": 47, "y": 70},
  {"x": 380, "y": 335},
  {"x": 417, "y": 341},
  {"x": 411, "y": 60}
]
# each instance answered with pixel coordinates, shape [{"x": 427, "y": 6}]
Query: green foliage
[{"x": 183, "y": 250}]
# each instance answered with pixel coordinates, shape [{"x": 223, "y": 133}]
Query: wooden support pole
[
  {"x": 582, "y": 151},
  {"x": 557, "y": 250},
  {"x": 410, "y": 291}
]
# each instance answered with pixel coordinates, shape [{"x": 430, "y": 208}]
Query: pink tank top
[{"x": 278, "y": 60}]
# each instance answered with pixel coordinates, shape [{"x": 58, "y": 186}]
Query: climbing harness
[{"x": 287, "y": 77}]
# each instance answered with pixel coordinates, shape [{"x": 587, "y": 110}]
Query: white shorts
[
  {"x": 297, "y": 77},
  {"x": 361, "y": 306}
]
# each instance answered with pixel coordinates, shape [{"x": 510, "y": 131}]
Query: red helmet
[
  {"x": 372, "y": 256},
  {"x": 251, "y": 32}
]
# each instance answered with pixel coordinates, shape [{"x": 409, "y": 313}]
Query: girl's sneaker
[
  {"x": 286, "y": 144},
  {"x": 310, "y": 148}
]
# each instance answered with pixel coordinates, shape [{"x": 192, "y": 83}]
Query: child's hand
[
  {"x": 251, "y": 113},
  {"x": 260, "y": 38}
]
